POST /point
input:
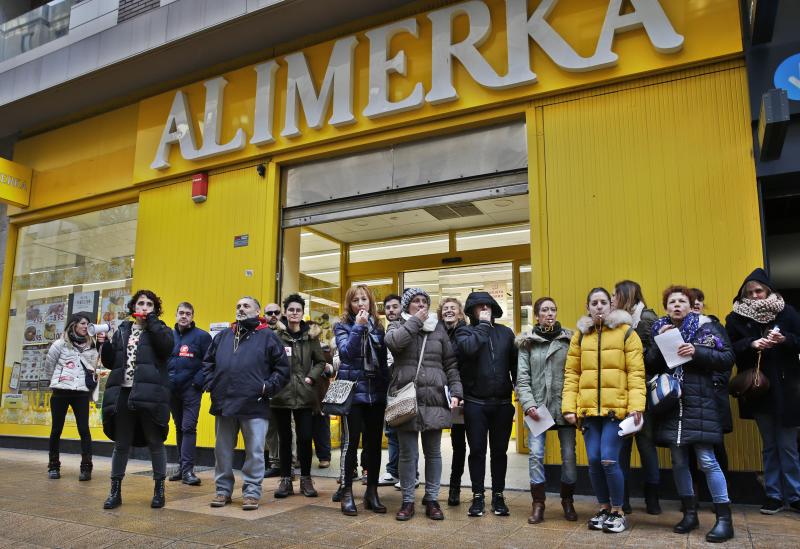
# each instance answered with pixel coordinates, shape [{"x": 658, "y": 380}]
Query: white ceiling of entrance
[{"x": 512, "y": 209}]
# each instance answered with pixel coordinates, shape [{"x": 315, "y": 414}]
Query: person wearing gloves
[
  {"x": 765, "y": 333},
  {"x": 359, "y": 338},
  {"x": 297, "y": 400},
  {"x": 423, "y": 355},
  {"x": 451, "y": 313},
  {"x": 70, "y": 360},
  {"x": 603, "y": 384},
  {"x": 540, "y": 381},
  {"x": 136, "y": 398},
  {"x": 243, "y": 369},
  {"x": 186, "y": 381},
  {"x": 488, "y": 372},
  {"x": 695, "y": 423}
]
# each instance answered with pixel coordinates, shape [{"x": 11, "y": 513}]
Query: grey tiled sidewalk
[{"x": 37, "y": 512}]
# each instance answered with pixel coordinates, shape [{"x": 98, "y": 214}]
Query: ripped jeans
[{"x": 603, "y": 446}]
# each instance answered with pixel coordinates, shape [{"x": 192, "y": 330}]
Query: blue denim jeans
[
  {"x": 603, "y": 446},
  {"x": 707, "y": 462},
  {"x": 394, "y": 452},
  {"x": 648, "y": 454},
  {"x": 780, "y": 457},
  {"x": 569, "y": 470}
]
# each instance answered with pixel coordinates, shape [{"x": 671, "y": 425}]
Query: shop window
[
  {"x": 80, "y": 263},
  {"x": 527, "y": 319},
  {"x": 311, "y": 268},
  {"x": 401, "y": 247},
  {"x": 493, "y": 237}
]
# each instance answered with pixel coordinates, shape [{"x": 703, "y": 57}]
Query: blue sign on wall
[{"x": 787, "y": 76}]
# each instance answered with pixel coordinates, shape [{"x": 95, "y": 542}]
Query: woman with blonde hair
[
  {"x": 362, "y": 355},
  {"x": 451, "y": 313}
]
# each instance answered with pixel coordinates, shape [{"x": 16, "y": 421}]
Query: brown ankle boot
[
  {"x": 567, "y": 491},
  {"x": 537, "y": 508}
]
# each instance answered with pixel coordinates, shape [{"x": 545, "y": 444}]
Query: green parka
[
  {"x": 306, "y": 360},
  {"x": 540, "y": 372}
]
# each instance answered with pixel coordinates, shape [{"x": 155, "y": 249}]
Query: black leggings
[
  {"x": 365, "y": 421},
  {"x": 458, "y": 437},
  {"x": 125, "y": 425},
  {"x": 60, "y": 402},
  {"x": 303, "y": 431}
]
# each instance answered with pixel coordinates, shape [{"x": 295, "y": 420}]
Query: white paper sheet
[
  {"x": 545, "y": 421},
  {"x": 668, "y": 344}
]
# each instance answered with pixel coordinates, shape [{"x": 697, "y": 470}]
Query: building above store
[{"x": 103, "y": 60}]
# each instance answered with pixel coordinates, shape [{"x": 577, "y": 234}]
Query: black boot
[
  {"x": 348, "y": 505},
  {"x": 54, "y": 466},
  {"x": 626, "y": 502},
  {"x": 371, "y": 500},
  {"x": 689, "y": 521},
  {"x": 337, "y": 495},
  {"x": 723, "y": 529},
  {"x": 158, "y": 494},
  {"x": 651, "y": 499},
  {"x": 454, "y": 498},
  {"x": 114, "y": 498},
  {"x": 86, "y": 467}
]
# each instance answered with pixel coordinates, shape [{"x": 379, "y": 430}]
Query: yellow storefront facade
[{"x": 636, "y": 157}]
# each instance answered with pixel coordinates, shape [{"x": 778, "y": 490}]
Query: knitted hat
[{"x": 410, "y": 294}]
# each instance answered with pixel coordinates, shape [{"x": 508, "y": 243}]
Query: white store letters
[{"x": 338, "y": 83}]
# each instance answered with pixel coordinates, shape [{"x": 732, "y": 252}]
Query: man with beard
[{"x": 244, "y": 368}]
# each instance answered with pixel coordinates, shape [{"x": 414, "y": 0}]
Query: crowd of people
[{"x": 267, "y": 375}]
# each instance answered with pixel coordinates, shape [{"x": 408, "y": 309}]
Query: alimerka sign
[
  {"x": 15, "y": 183},
  {"x": 467, "y": 55}
]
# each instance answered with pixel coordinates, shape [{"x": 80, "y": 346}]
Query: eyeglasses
[{"x": 272, "y": 313}]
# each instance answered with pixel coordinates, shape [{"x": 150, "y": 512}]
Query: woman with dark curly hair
[{"x": 136, "y": 398}]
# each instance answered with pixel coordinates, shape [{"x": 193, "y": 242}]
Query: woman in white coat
[{"x": 72, "y": 359}]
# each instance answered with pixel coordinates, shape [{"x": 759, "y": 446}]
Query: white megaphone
[{"x": 95, "y": 329}]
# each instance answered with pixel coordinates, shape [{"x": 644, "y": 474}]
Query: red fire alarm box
[{"x": 200, "y": 187}]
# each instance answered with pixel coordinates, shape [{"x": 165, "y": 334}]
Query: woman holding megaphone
[
  {"x": 136, "y": 398},
  {"x": 72, "y": 361}
]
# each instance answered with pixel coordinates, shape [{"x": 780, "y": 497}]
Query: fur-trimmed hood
[
  {"x": 615, "y": 318},
  {"x": 526, "y": 340}
]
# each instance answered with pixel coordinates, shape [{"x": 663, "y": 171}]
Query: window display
[{"x": 77, "y": 264}]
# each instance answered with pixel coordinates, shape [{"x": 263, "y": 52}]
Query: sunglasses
[{"x": 272, "y": 313}]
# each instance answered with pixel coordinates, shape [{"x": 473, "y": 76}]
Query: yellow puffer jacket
[{"x": 604, "y": 373}]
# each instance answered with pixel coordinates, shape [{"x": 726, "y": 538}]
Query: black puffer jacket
[
  {"x": 242, "y": 381},
  {"x": 780, "y": 364},
  {"x": 150, "y": 392},
  {"x": 487, "y": 354},
  {"x": 697, "y": 418}
]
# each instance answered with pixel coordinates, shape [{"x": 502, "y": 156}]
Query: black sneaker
[
  {"x": 795, "y": 506},
  {"x": 596, "y": 522},
  {"x": 499, "y": 506},
  {"x": 614, "y": 523},
  {"x": 271, "y": 472},
  {"x": 477, "y": 507},
  {"x": 771, "y": 506}
]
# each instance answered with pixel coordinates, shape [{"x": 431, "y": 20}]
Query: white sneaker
[
  {"x": 398, "y": 487},
  {"x": 388, "y": 479},
  {"x": 615, "y": 523},
  {"x": 597, "y": 521}
]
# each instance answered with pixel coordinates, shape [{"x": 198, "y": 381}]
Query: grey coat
[
  {"x": 540, "y": 372},
  {"x": 439, "y": 368}
]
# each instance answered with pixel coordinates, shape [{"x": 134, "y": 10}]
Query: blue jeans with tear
[{"x": 603, "y": 446}]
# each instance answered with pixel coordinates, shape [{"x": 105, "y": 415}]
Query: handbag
[
  {"x": 90, "y": 377},
  {"x": 339, "y": 398},
  {"x": 750, "y": 384},
  {"x": 401, "y": 406},
  {"x": 665, "y": 391}
]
